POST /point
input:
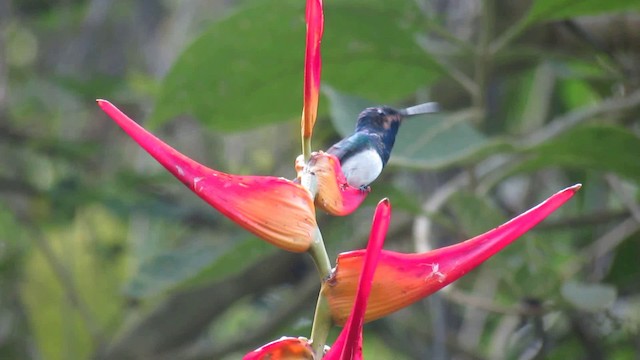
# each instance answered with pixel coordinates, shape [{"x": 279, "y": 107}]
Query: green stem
[
  {"x": 306, "y": 148},
  {"x": 320, "y": 256},
  {"x": 321, "y": 326},
  {"x": 322, "y": 319}
]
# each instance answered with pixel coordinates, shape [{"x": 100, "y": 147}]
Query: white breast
[{"x": 362, "y": 169}]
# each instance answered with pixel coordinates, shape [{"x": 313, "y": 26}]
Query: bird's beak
[{"x": 426, "y": 108}]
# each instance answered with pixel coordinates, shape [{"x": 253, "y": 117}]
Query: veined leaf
[
  {"x": 590, "y": 147},
  {"x": 543, "y": 10},
  {"x": 247, "y": 69}
]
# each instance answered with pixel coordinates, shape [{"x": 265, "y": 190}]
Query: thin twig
[
  {"x": 469, "y": 300},
  {"x": 422, "y": 224},
  {"x": 432, "y": 25},
  {"x": 627, "y": 199},
  {"x": 436, "y": 28},
  {"x": 556, "y": 127},
  {"x": 602, "y": 246},
  {"x": 512, "y": 33},
  {"x": 593, "y": 219},
  {"x": 461, "y": 78},
  {"x": 565, "y": 122},
  {"x": 483, "y": 58}
]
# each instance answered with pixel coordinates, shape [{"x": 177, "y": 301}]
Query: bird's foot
[{"x": 365, "y": 189}]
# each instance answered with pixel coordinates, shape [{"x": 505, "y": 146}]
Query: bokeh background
[{"x": 104, "y": 255}]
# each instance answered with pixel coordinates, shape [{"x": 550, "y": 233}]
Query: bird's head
[
  {"x": 379, "y": 119},
  {"x": 384, "y": 119}
]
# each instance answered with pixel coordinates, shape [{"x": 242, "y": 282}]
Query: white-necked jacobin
[{"x": 364, "y": 154}]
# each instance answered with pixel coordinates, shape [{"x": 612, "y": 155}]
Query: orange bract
[
  {"x": 402, "y": 279},
  {"x": 348, "y": 345},
  {"x": 275, "y": 209},
  {"x": 286, "y": 348},
  {"x": 334, "y": 195}
]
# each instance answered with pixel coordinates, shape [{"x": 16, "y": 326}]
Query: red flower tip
[
  {"x": 275, "y": 209},
  {"x": 335, "y": 195},
  {"x": 286, "y": 348},
  {"x": 348, "y": 346},
  {"x": 402, "y": 279},
  {"x": 312, "y": 65}
]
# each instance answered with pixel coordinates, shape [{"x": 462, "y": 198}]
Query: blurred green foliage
[{"x": 104, "y": 255}]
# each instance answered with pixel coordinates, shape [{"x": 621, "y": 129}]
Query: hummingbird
[{"x": 365, "y": 153}]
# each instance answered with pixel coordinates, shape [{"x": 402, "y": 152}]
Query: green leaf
[
  {"x": 591, "y": 147},
  {"x": 576, "y": 93},
  {"x": 58, "y": 328},
  {"x": 247, "y": 69},
  {"x": 589, "y": 297},
  {"x": 427, "y": 141},
  {"x": 543, "y": 10},
  {"x": 236, "y": 259},
  {"x": 473, "y": 214},
  {"x": 170, "y": 268}
]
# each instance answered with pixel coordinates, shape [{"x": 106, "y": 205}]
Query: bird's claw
[{"x": 365, "y": 189}]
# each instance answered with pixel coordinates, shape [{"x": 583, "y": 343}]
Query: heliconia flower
[
  {"x": 286, "y": 348},
  {"x": 334, "y": 195},
  {"x": 275, "y": 209},
  {"x": 348, "y": 345},
  {"x": 312, "y": 66},
  {"x": 402, "y": 279}
]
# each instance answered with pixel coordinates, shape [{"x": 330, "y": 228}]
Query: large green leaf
[
  {"x": 543, "y": 10},
  {"x": 593, "y": 147},
  {"x": 427, "y": 141},
  {"x": 193, "y": 264},
  {"x": 166, "y": 270},
  {"x": 247, "y": 69}
]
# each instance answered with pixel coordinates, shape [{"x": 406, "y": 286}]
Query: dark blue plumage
[{"x": 364, "y": 154}]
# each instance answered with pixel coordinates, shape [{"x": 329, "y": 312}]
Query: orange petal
[
  {"x": 402, "y": 279},
  {"x": 312, "y": 66},
  {"x": 286, "y": 348},
  {"x": 275, "y": 209},
  {"x": 334, "y": 195},
  {"x": 348, "y": 345}
]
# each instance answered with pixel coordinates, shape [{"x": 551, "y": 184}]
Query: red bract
[
  {"x": 286, "y": 348},
  {"x": 312, "y": 66},
  {"x": 335, "y": 195},
  {"x": 403, "y": 279},
  {"x": 348, "y": 345},
  {"x": 275, "y": 209}
]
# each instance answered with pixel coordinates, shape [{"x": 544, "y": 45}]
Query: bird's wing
[{"x": 348, "y": 146}]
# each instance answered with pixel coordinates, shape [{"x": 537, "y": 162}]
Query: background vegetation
[{"x": 105, "y": 255}]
